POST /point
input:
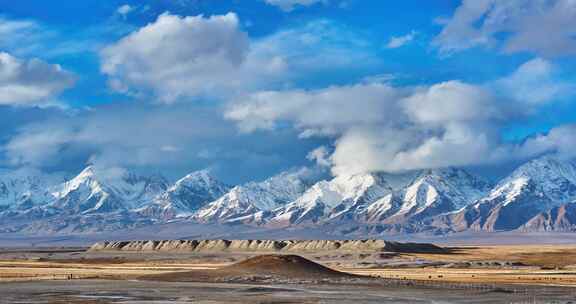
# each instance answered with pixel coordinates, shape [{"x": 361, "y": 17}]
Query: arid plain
[{"x": 458, "y": 274}]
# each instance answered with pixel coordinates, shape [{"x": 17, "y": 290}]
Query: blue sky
[{"x": 250, "y": 88}]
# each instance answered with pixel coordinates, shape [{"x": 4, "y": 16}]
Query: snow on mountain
[
  {"x": 106, "y": 190},
  {"x": 254, "y": 197},
  {"x": 94, "y": 200},
  {"x": 537, "y": 186},
  {"x": 439, "y": 191},
  {"x": 538, "y": 196},
  {"x": 554, "y": 177},
  {"x": 24, "y": 189},
  {"x": 186, "y": 196},
  {"x": 19, "y": 191},
  {"x": 330, "y": 199},
  {"x": 369, "y": 198}
]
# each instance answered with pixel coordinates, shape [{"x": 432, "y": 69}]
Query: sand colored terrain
[
  {"x": 535, "y": 255},
  {"x": 519, "y": 264},
  {"x": 16, "y": 270},
  {"x": 530, "y": 264}
]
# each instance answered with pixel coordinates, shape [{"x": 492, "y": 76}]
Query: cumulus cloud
[
  {"x": 451, "y": 101},
  {"x": 537, "y": 81},
  {"x": 179, "y": 56},
  {"x": 380, "y": 127},
  {"x": 289, "y": 5},
  {"x": 400, "y": 41},
  {"x": 394, "y": 150},
  {"x": 546, "y": 28},
  {"x": 560, "y": 140},
  {"x": 325, "y": 111},
  {"x": 31, "y": 82}
]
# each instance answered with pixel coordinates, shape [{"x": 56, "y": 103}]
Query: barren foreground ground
[
  {"x": 105, "y": 291},
  {"x": 482, "y": 274}
]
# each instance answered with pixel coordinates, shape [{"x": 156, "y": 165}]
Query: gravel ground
[{"x": 102, "y": 291}]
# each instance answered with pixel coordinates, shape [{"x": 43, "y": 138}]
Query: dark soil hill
[
  {"x": 281, "y": 265},
  {"x": 260, "y": 268}
]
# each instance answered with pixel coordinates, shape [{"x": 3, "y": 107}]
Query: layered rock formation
[{"x": 264, "y": 246}]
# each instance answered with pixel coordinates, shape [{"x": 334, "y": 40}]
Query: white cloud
[
  {"x": 326, "y": 111},
  {"x": 38, "y": 147},
  {"x": 124, "y": 10},
  {"x": 536, "y": 82},
  {"x": 318, "y": 45},
  {"x": 289, "y": 5},
  {"x": 379, "y": 127},
  {"x": 175, "y": 139},
  {"x": 321, "y": 156},
  {"x": 31, "y": 82},
  {"x": 400, "y": 41},
  {"x": 546, "y": 28},
  {"x": 399, "y": 149},
  {"x": 29, "y": 38},
  {"x": 186, "y": 57},
  {"x": 560, "y": 140},
  {"x": 452, "y": 101},
  {"x": 19, "y": 36},
  {"x": 11, "y": 27},
  {"x": 178, "y": 57}
]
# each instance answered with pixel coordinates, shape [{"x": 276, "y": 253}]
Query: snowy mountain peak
[
  {"x": 88, "y": 172},
  {"x": 348, "y": 189},
  {"x": 197, "y": 177},
  {"x": 186, "y": 196},
  {"x": 448, "y": 198},
  {"x": 534, "y": 187},
  {"x": 258, "y": 196},
  {"x": 546, "y": 168},
  {"x": 97, "y": 190},
  {"x": 23, "y": 188},
  {"x": 332, "y": 199},
  {"x": 554, "y": 177},
  {"x": 454, "y": 175},
  {"x": 367, "y": 187},
  {"x": 442, "y": 190}
]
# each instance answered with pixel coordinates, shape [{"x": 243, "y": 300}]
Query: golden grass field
[
  {"x": 541, "y": 264},
  {"x": 535, "y": 264}
]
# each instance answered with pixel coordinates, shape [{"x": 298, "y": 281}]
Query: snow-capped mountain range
[
  {"x": 540, "y": 195},
  {"x": 535, "y": 187}
]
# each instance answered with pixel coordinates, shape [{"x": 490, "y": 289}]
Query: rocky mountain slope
[
  {"x": 256, "y": 197},
  {"x": 105, "y": 191},
  {"x": 186, "y": 196},
  {"x": 106, "y": 200},
  {"x": 368, "y": 198},
  {"x": 433, "y": 192},
  {"x": 332, "y": 199},
  {"x": 23, "y": 189},
  {"x": 535, "y": 187},
  {"x": 537, "y": 196},
  {"x": 561, "y": 218}
]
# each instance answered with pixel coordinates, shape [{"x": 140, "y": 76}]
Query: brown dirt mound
[
  {"x": 259, "y": 268},
  {"x": 281, "y": 265}
]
